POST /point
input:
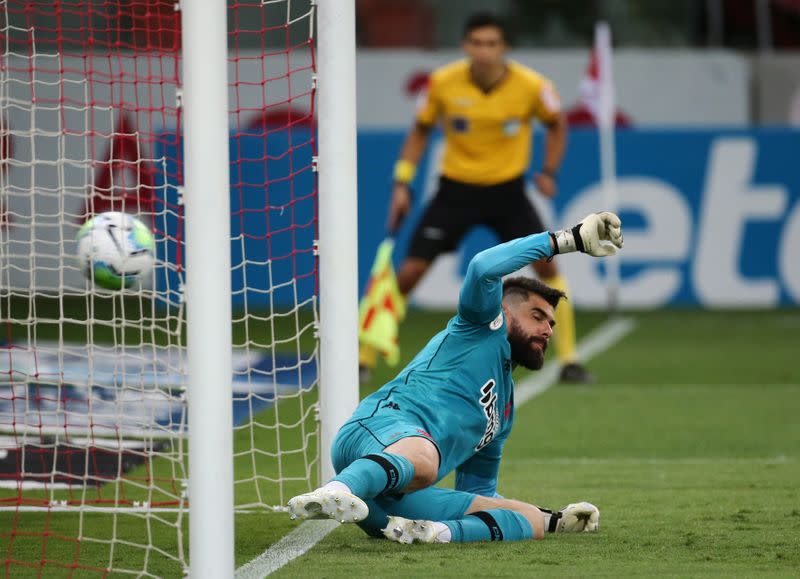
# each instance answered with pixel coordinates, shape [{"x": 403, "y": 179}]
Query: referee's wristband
[{"x": 404, "y": 171}]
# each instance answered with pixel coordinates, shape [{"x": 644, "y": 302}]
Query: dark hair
[
  {"x": 522, "y": 287},
  {"x": 483, "y": 19}
]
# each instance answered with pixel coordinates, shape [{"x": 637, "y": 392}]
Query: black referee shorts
[{"x": 458, "y": 207}]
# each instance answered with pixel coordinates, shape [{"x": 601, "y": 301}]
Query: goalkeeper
[{"x": 452, "y": 408}]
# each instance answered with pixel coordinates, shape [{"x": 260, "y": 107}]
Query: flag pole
[{"x": 608, "y": 162}]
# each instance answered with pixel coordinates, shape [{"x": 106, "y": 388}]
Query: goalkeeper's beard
[{"x": 522, "y": 350}]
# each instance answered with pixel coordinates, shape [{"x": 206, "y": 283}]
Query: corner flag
[
  {"x": 382, "y": 308},
  {"x": 604, "y": 112}
]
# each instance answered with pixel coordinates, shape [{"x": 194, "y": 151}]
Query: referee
[{"x": 486, "y": 105}]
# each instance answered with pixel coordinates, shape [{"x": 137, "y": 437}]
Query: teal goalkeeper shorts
[{"x": 373, "y": 434}]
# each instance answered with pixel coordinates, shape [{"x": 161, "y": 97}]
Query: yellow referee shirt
[{"x": 487, "y": 135}]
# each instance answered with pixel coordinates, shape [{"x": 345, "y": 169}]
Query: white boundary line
[
  {"x": 293, "y": 545},
  {"x": 308, "y": 534}
]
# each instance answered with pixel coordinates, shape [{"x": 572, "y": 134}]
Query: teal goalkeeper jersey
[{"x": 459, "y": 387}]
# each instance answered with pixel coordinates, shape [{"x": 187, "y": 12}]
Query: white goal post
[
  {"x": 338, "y": 202},
  {"x": 207, "y": 297},
  {"x": 208, "y": 289}
]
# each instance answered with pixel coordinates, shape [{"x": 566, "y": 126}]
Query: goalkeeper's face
[{"x": 530, "y": 324}]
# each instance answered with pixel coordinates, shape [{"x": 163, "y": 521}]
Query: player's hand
[
  {"x": 580, "y": 517},
  {"x": 546, "y": 184},
  {"x": 588, "y": 236},
  {"x": 598, "y": 227},
  {"x": 400, "y": 206}
]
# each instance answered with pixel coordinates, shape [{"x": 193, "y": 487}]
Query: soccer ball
[{"x": 115, "y": 249}]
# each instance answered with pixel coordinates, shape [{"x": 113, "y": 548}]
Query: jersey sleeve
[
  {"x": 482, "y": 293},
  {"x": 478, "y": 474},
  {"x": 547, "y": 104},
  {"x": 429, "y": 106}
]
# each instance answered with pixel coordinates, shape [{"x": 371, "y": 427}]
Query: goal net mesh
[{"x": 93, "y": 421}]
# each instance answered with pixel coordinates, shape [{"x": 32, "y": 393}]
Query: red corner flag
[{"x": 596, "y": 104}]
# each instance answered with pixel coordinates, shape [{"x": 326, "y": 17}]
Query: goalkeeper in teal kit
[{"x": 451, "y": 409}]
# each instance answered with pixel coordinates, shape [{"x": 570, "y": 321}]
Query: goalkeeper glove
[
  {"x": 587, "y": 235},
  {"x": 580, "y": 517}
]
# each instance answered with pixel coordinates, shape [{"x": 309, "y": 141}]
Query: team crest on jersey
[
  {"x": 497, "y": 322},
  {"x": 511, "y": 127},
  {"x": 489, "y": 404},
  {"x": 459, "y": 124}
]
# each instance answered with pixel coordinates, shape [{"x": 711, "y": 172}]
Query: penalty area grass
[{"x": 689, "y": 444}]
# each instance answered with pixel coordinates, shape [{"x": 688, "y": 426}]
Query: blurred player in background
[
  {"x": 486, "y": 105},
  {"x": 452, "y": 409}
]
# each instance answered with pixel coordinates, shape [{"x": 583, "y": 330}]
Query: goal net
[{"x": 93, "y": 420}]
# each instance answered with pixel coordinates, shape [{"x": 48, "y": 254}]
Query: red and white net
[{"x": 93, "y": 427}]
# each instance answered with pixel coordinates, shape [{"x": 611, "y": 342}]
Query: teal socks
[
  {"x": 491, "y": 525},
  {"x": 377, "y": 473}
]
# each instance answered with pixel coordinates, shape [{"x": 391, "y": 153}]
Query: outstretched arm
[{"x": 482, "y": 293}]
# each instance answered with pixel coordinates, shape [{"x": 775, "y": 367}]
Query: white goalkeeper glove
[
  {"x": 587, "y": 236},
  {"x": 580, "y": 517}
]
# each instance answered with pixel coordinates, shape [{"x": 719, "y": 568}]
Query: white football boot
[
  {"x": 328, "y": 504},
  {"x": 407, "y": 531}
]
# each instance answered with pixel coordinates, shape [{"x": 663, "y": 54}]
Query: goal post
[
  {"x": 142, "y": 428},
  {"x": 208, "y": 288},
  {"x": 338, "y": 201}
]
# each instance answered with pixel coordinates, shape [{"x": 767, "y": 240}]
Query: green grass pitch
[{"x": 689, "y": 444}]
